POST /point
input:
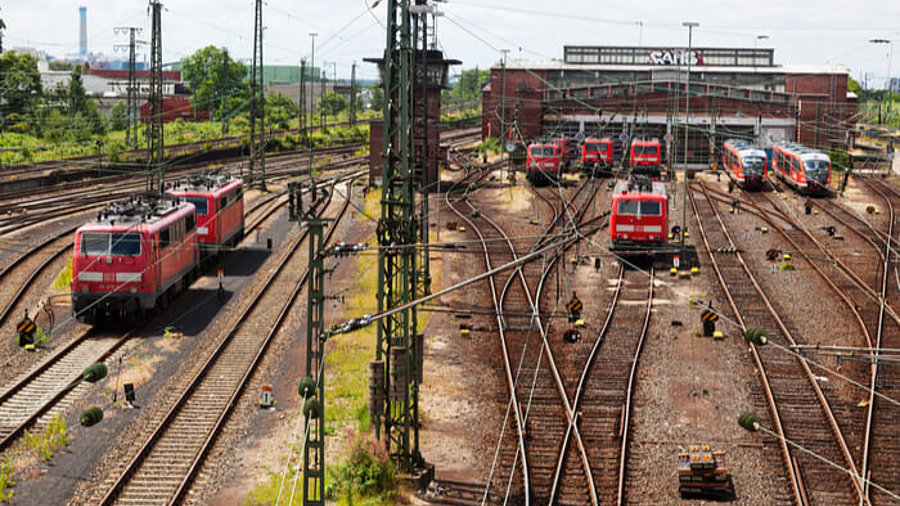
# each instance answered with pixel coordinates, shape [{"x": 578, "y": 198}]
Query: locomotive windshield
[
  {"x": 651, "y": 208},
  {"x": 201, "y": 203},
  {"x": 595, "y": 147},
  {"x": 628, "y": 207},
  {"x": 753, "y": 165},
  {"x": 816, "y": 170},
  {"x": 540, "y": 152},
  {"x": 114, "y": 244},
  {"x": 645, "y": 150}
]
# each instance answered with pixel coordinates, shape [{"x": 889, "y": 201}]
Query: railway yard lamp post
[
  {"x": 887, "y": 79},
  {"x": 687, "y": 114}
]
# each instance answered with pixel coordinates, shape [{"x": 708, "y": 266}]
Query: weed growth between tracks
[
  {"x": 35, "y": 447},
  {"x": 64, "y": 279}
]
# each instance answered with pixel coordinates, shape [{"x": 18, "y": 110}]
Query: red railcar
[
  {"x": 542, "y": 165},
  {"x": 138, "y": 254},
  {"x": 807, "y": 170},
  {"x": 596, "y": 154},
  {"x": 645, "y": 157},
  {"x": 640, "y": 214},
  {"x": 564, "y": 148},
  {"x": 219, "y": 201},
  {"x": 745, "y": 164}
]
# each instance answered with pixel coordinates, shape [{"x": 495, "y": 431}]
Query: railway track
[
  {"x": 798, "y": 409},
  {"x": 167, "y": 463},
  {"x": 35, "y": 397}
]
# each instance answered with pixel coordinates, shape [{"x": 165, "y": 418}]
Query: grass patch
[
  {"x": 64, "y": 279},
  {"x": 367, "y": 476},
  {"x": 36, "y": 446}
]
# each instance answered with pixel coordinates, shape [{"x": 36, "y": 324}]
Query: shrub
[{"x": 367, "y": 474}]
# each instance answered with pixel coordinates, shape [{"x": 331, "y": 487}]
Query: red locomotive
[
  {"x": 639, "y": 218},
  {"x": 220, "y": 209},
  {"x": 137, "y": 255},
  {"x": 645, "y": 157},
  {"x": 564, "y": 148},
  {"x": 542, "y": 165},
  {"x": 745, "y": 164},
  {"x": 807, "y": 170},
  {"x": 596, "y": 154}
]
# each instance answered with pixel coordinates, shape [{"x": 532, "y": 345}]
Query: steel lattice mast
[
  {"x": 155, "y": 139},
  {"x": 397, "y": 231},
  {"x": 257, "y": 175}
]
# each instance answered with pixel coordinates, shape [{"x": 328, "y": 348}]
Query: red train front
[
  {"x": 645, "y": 157},
  {"x": 806, "y": 170},
  {"x": 745, "y": 164},
  {"x": 639, "y": 217},
  {"x": 542, "y": 165},
  {"x": 596, "y": 154},
  {"x": 138, "y": 254},
  {"x": 219, "y": 200}
]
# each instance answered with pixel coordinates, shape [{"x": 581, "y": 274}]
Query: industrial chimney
[{"x": 82, "y": 33}]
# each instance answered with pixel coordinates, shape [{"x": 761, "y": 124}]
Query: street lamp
[
  {"x": 687, "y": 111},
  {"x": 887, "y": 81}
]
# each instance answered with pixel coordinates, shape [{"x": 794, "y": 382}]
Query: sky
[{"x": 807, "y": 32}]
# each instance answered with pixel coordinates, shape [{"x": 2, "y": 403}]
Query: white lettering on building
[{"x": 675, "y": 57}]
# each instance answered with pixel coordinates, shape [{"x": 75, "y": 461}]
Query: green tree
[
  {"x": 83, "y": 111},
  {"x": 118, "y": 116},
  {"x": 214, "y": 89},
  {"x": 376, "y": 99},
  {"x": 332, "y": 103},
  {"x": 280, "y": 110},
  {"x": 2, "y": 28},
  {"x": 467, "y": 89},
  {"x": 20, "y": 83},
  {"x": 59, "y": 65}
]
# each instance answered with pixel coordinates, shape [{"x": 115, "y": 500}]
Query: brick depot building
[{"x": 608, "y": 91}]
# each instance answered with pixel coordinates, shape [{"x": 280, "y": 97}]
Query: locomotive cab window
[
  {"x": 651, "y": 208},
  {"x": 201, "y": 203},
  {"x": 628, "y": 207},
  {"x": 115, "y": 244}
]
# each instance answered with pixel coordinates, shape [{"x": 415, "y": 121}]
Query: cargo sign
[{"x": 675, "y": 57}]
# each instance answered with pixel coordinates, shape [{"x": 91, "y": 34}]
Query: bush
[{"x": 367, "y": 475}]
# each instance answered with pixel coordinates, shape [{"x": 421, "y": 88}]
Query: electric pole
[
  {"x": 223, "y": 114},
  {"x": 131, "y": 100},
  {"x": 257, "y": 173},
  {"x": 155, "y": 139},
  {"x": 397, "y": 383},
  {"x": 322, "y": 109},
  {"x": 301, "y": 120},
  {"x": 353, "y": 95}
]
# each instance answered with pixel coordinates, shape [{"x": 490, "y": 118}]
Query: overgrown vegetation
[
  {"x": 64, "y": 280},
  {"x": 367, "y": 476},
  {"x": 42, "y": 445}
]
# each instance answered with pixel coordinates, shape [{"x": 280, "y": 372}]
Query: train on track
[
  {"x": 645, "y": 158},
  {"x": 220, "y": 209},
  {"x": 640, "y": 215},
  {"x": 746, "y": 165},
  {"x": 543, "y": 164},
  {"x": 139, "y": 253},
  {"x": 804, "y": 169},
  {"x": 597, "y": 156}
]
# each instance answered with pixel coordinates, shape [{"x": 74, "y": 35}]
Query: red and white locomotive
[
  {"x": 137, "y": 255},
  {"x": 805, "y": 169},
  {"x": 596, "y": 154},
  {"x": 542, "y": 164},
  {"x": 639, "y": 217},
  {"x": 220, "y": 209},
  {"x": 645, "y": 157},
  {"x": 745, "y": 164}
]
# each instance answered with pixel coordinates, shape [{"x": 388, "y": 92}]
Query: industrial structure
[{"x": 642, "y": 92}]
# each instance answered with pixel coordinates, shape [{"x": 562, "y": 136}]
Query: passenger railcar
[
  {"x": 639, "y": 216},
  {"x": 137, "y": 255},
  {"x": 596, "y": 155},
  {"x": 805, "y": 169},
  {"x": 746, "y": 164},
  {"x": 645, "y": 158},
  {"x": 219, "y": 201},
  {"x": 542, "y": 164}
]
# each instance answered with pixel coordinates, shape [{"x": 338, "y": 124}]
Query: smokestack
[{"x": 82, "y": 33}]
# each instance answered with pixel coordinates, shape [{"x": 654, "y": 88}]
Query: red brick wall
[{"x": 524, "y": 94}]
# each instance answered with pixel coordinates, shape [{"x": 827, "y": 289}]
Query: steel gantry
[
  {"x": 257, "y": 175},
  {"x": 155, "y": 140},
  {"x": 398, "y": 422}
]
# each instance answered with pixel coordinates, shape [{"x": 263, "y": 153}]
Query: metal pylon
[
  {"x": 397, "y": 231},
  {"x": 155, "y": 138},
  {"x": 131, "y": 101},
  {"x": 257, "y": 176}
]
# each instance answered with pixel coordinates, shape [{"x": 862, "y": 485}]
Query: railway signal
[
  {"x": 574, "y": 307},
  {"x": 709, "y": 318},
  {"x": 25, "y": 331}
]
